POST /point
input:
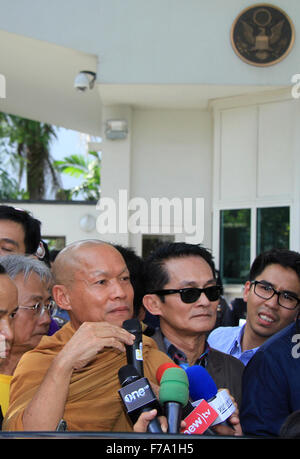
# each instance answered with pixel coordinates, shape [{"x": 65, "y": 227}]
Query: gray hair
[{"x": 16, "y": 264}]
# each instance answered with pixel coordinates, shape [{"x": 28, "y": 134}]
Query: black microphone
[
  {"x": 134, "y": 352},
  {"x": 137, "y": 397}
]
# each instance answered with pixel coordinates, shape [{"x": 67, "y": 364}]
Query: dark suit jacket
[{"x": 225, "y": 370}]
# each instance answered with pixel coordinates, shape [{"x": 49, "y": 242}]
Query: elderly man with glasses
[
  {"x": 272, "y": 295},
  {"x": 32, "y": 321},
  {"x": 8, "y": 309}
]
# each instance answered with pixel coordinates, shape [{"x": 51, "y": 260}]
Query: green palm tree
[
  {"x": 9, "y": 187},
  {"x": 85, "y": 168},
  {"x": 28, "y": 143}
]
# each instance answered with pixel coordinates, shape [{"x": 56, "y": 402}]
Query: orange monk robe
[{"x": 93, "y": 402}]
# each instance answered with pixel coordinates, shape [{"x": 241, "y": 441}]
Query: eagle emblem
[{"x": 262, "y": 35}]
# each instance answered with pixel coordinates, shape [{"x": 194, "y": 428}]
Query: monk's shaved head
[
  {"x": 92, "y": 283},
  {"x": 71, "y": 259}
]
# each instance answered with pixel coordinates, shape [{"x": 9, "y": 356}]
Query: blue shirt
[
  {"x": 229, "y": 340},
  {"x": 271, "y": 389}
]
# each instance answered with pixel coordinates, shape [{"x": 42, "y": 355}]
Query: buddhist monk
[{"x": 73, "y": 375}]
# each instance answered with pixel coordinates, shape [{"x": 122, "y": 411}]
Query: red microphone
[{"x": 162, "y": 368}]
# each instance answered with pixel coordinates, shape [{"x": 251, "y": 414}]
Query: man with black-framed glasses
[
  {"x": 272, "y": 294},
  {"x": 271, "y": 379},
  {"x": 182, "y": 289}
]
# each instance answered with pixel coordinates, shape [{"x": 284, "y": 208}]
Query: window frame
[{"x": 253, "y": 226}]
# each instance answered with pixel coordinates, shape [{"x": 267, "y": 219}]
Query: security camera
[{"x": 84, "y": 80}]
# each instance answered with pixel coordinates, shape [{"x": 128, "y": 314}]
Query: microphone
[
  {"x": 137, "y": 396},
  {"x": 134, "y": 353},
  {"x": 160, "y": 371},
  {"x": 162, "y": 368},
  {"x": 202, "y": 386},
  {"x": 199, "y": 420},
  {"x": 174, "y": 395}
]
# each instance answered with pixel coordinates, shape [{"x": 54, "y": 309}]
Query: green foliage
[
  {"x": 27, "y": 144},
  {"x": 9, "y": 187},
  {"x": 25, "y": 149},
  {"x": 88, "y": 169}
]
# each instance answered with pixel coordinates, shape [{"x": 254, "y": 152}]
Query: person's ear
[
  {"x": 247, "y": 288},
  {"x": 153, "y": 304},
  {"x": 61, "y": 297}
]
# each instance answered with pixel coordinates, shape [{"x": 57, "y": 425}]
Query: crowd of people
[{"x": 53, "y": 369}]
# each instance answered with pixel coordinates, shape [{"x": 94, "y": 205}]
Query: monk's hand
[
  {"x": 90, "y": 339},
  {"x": 144, "y": 419}
]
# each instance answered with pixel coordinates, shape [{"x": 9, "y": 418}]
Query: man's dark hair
[
  {"x": 135, "y": 265},
  {"x": 53, "y": 254},
  {"x": 155, "y": 273},
  {"x": 283, "y": 257},
  {"x": 31, "y": 226}
]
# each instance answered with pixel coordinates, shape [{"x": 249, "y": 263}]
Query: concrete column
[{"x": 115, "y": 179}]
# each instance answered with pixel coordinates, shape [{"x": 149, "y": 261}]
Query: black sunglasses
[{"x": 192, "y": 294}]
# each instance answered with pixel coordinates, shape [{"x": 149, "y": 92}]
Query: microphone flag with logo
[{"x": 137, "y": 396}]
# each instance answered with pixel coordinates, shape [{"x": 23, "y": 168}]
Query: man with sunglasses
[
  {"x": 272, "y": 295},
  {"x": 182, "y": 290}
]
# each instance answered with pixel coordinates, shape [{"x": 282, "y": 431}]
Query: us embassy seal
[{"x": 262, "y": 35}]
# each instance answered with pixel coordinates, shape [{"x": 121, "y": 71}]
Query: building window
[
  {"x": 273, "y": 228},
  {"x": 238, "y": 245},
  {"x": 151, "y": 241},
  {"x": 235, "y": 245}
]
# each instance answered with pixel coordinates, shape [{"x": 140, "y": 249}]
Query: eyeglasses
[
  {"x": 192, "y": 294},
  {"x": 40, "y": 308},
  {"x": 266, "y": 291}
]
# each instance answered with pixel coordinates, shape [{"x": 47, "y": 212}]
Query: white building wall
[
  {"x": 172, "y": 157},
  {"x": 275, "y": 155},
  {"x": 254, "y": 150},
  {"x": 167, "y": 154},
  {"x": 256, "y": 161}
]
